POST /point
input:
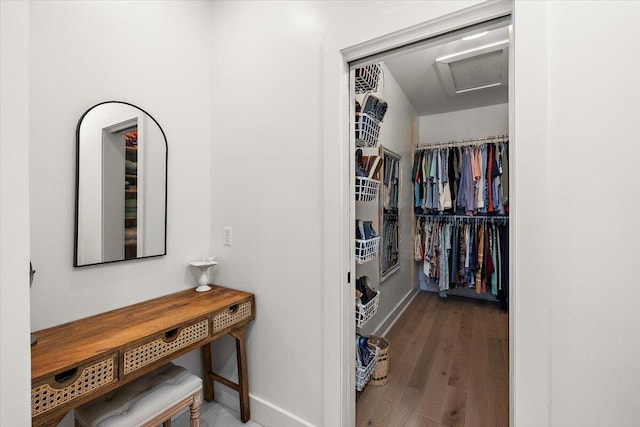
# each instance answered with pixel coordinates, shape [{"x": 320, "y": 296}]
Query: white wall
[
  {"x": 465, "y": 124},
  {"x": 395, "y": 134},
  {"x": 593, "y": 188},
  {"x": 155, "y": 55},
  {"x": 267, "y": 184},
  {"x": 576, "y": 314},
  {"x": 15, "y": 366},
  {"x": 83, "y": 53}
]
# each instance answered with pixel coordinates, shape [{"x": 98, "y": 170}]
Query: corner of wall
[
  {"x": 15, "y": 369},
  {"x": 263, "y": 411}
]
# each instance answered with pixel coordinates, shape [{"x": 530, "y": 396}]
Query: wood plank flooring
[{"x": 449, "y": 366}]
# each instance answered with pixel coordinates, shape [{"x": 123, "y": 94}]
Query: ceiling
[{"x": 448, "y": 84}]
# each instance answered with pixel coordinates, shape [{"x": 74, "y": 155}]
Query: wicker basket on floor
[{"x": 380, "y": 375}]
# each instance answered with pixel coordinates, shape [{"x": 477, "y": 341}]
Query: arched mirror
[{"x": 121, "y": 185}]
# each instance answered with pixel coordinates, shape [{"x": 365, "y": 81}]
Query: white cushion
[{"x": 142, "y": 399}]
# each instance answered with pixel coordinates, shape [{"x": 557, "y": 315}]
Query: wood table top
[{"x": 63, "y": 346}]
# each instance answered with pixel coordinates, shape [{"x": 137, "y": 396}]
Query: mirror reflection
[{"x": 121, "y": 176}]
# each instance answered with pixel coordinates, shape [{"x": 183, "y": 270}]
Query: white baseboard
[
  {"x": 262, "y": 412},
  {"x": 385, "y": 326}
]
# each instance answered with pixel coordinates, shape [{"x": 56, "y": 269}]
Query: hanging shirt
[
  {"x": 416, "y": 177},
  {"x": 497, "y": 203},
  {"x": 505, "y": 175},
  {"x": 490, "y": 160},
  {"x": 465, "y": 193},
  {"x": 482, "y": 184},
  {"x": 446, "y": 187},
  {"x": 452, "y": 180},
  {"x": 494, "y": 259},
  {"x": 426, "y": 167},
  {"x": 480, "y": 259},
  {"x": 453, "y": 265}
]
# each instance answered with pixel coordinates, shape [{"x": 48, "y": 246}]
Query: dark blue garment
[{"x": 465, "y": 193}]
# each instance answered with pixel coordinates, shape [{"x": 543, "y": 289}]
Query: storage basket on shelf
[
  {"x": 366, "y": 250},
  {"x": 363, "y": 373},
  {"x": 380, "y": 375},
  {"x": 367, "y": 130},
  {"x": 364, "y": 312},
  {"x": 366, "y": 79},
  {"x": 366, "y": 189}
]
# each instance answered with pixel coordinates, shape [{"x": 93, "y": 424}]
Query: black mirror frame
[{"x": 77, "y": 189}]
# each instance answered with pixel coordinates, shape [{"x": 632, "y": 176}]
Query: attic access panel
[{"x": 475, "y": 69}]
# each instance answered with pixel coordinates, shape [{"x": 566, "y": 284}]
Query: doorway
[{"x": 458, "y": 99}]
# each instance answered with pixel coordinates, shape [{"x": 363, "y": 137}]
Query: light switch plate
[{"x": 227, "y": 236}]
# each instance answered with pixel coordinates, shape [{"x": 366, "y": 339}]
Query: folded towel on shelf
[
  {"x": 130, "y": 164},
  {"x": 131, "y": 203},
  {"x": 133, "y": 135},
  {"x": 131, "y": 139}
]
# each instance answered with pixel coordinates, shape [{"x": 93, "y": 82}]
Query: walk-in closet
[{"x": 431, "y": 151}]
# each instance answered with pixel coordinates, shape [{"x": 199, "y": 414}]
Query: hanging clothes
[
  {"x": 390, "y": 242},
  {"x": 463, "y": 180},
  {"x": 464, "y": 252}
]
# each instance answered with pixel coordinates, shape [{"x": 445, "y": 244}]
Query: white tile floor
[{"x": 213, "y": 414}]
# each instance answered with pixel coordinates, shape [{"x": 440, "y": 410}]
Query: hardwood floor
[{"x": 449, "y": 366}]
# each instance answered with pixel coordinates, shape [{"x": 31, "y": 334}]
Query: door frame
[{"x": 339, "y": 202}]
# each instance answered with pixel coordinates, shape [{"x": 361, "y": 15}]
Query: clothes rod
[
  {"x": 448, "y": 217},
  {"x": 462, "y": 142}
]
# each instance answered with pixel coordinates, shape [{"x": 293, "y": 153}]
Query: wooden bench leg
[
  {"x": 195, "y": 409},
  {"x": 243, "y": 379},
  {"x": 207, "y": 370}
]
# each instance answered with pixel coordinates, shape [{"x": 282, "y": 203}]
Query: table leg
[
  {"x": 207, "y": 370},
  {"x": 243, "y": 379}
]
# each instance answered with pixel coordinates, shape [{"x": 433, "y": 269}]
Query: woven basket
[{"x": 380, "y": 375}]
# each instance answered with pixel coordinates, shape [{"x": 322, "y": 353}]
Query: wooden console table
[{"x": 81, "y": 360}]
